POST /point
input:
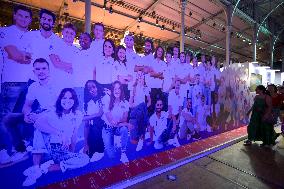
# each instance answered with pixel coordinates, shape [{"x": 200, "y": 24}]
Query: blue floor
[{"x": 12, "y": 177}]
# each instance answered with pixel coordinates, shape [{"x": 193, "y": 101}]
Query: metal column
[
  {"x": 88, "y": 16},
  {"x": 182, "y": 36}
]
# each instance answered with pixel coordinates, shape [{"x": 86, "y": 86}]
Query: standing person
[
  {"x": 169, "y": 74},
  {"x": 208, "y": 81},
  {"x": 65, "y": 55},
  {"x": 161, "y": 126},
  {"x": 115, "y": 118},
  {"x": 121, "y": 71},
  {"x": 93, "y": 106},
  {"x": 156, "y": 77},
  {"x": 61, "y": 125},
  {"x": 193, "y": 72},
  {"x": 83, "y": 67},
  {"x": 202, "y": 112},
  {"x": 276, "y": 101},
  {"x": 43, "y": 43},
  {"x": 98, "y": 42},
  {"x": 197, "y": 92},
  {"x": 15, "y": 58},
  {"x": 176, "y": 60},
  {"x": 259, "y": 129},
  {"x": 139, "y": 101},
  {"x": 102, "y": 76},
  {"x": 14, "y": 86}
]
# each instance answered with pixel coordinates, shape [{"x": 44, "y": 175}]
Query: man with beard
[{"x": 43, "y": 42}]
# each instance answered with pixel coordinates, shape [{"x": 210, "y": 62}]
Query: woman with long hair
[
  {"x": 103, "y": 72},
  {"x": 93, "y": 106},
  {"x": 61, "y": 125},
  {"x": 259, "y": 128},
  {"x": 115, "y": 118},
  {"x": 121, "y": 72}
]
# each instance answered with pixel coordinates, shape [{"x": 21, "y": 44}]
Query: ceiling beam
[
  {"x": 150, "y": 7},
  {"x": 207, "y": 19}
]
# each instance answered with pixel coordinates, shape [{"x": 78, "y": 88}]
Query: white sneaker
[
  {"x": 44, "y": 167},
  {"x": 158, "y": 145},
  {"x": 171, "y": 141},
  {"x": 139, "y": 145},
  {"x": 33, "y": 176},
  {"x": 188, "y": 136},
  {"x": 18, "y": 156},
  {"x": 97, "y": 156},
  {"x": 62, "y": 167},
  {"x": 176, "y": 142},
  {"x": 117, "y": 141},
  {"x": 124, "y": 158},
  {"x": 4, "y": 157}
]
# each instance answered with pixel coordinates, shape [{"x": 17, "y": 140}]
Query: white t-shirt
[
  {"x": 104, "y": 70},
  {"x": 158, "y": 67},
  {"x": 117, "y": 111},
  {"x": 13, "y": 71},
  {"x": 132, "y": 60},
  {"x": 97, "y": 47},
  {"x": 68, "y": 123},
  {"x": 169, "y": 75},
  {"x": 193, "y": 72},
  {"x": 46, "y": 94},
  {"x": 83, "y": 68},
  {"x": 203, "y": 112},
  {"x": 93, "y": 107},
  {"x": 197, "y": 92},
  {"x": 159, "y": 124},
  {"x": 141, "y": 92},
  {"x": 209, "y": 79},
  {"x": 40, "y": 47},
  {"x": 175, "y": 62},
  {"x": 68, "y": 54},
  {"x": 175, "y": 101},
  {"x": 119, "y": 69},
  {"x": 182, "y": 71}
]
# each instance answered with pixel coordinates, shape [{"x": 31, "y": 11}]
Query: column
[
  {"x": 254, "y": 42},
  {"x": 228, "y": 34},
  {"x": 271, "y": 49},
  {"x": 88, "y": 16},
  {"x": 182, "y": 36}
]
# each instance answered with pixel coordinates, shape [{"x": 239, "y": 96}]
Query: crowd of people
[{"x": 119, "y": 97}]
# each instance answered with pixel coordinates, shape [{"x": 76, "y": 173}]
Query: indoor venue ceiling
[{"x": 205, "y": 22}]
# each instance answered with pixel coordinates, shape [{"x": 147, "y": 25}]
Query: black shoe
[
  {"x": 196, "y": 136},
  {"x": 247, "y": 143}
]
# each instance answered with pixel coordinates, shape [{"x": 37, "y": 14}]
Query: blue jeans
[
  {"x": 108, "y": 138},
  {"x": 207, "y": 94},
  {"x": 140, "y": 120},
  {"x": 167, "y": 133}
]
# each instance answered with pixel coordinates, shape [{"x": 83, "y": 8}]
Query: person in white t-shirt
[
  {"x": 43, "y": 43},
  {"x": 83, "y": 66},
  {"x": 13, "y": 85},
  {"x": 115, "y": 118},
  {"x": 203, "y": 111},
  {"x": 193, "y": 72},
  {"x": 169, "y": 74},
  {"x": 93, "y": 106},
  {"x": 208, "y": 82},
  {"x": 187, "y": 123},
  {"x": 104, "y": 68},
  {"x": 161, "y": 126},
  {"x": 15, "y": 58},
  {"x": 139, "y": 113},
  {"x": 183, "y": 74},
  {"x": 121, "y": 70},
  {"x": 97, "y": 44},
  {"x": 155, "y": 81},
  {"x": 197, "y": 92},
  {"x": 64, "y": 56},
  {"x": 175, "y": 59},
  {"x": 61, "y": 125}
]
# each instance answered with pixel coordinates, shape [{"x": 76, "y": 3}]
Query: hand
[
  {"x": 27, "y": 58},
  {"x": 65, "y": 141},
  {"x": 86, "y": 149}
]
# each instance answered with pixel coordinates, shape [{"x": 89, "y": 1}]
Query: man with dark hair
[
  {"x": 12, "y": 84},
  {"x": 175, "y": 59},
  {"x": 97, "y": 44}
]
